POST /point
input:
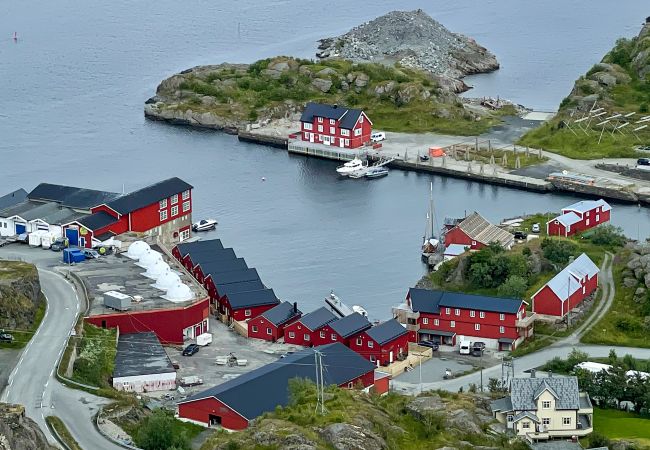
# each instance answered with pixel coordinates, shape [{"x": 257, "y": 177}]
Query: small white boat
[
  {"x": 205, "y": 225},
  {"x": 360, "y": 173},
  {"x": 350, "y": 167},
  {"x": 376, "y": 172}
]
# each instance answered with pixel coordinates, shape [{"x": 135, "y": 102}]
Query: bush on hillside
[
  {"x": 608, "y": 235},
  {"x": 157, "y": 432},
  {"x": 491, "y": 266},
  {"x": 514, "y": 287},
  {"x": 558, "y": 251}
]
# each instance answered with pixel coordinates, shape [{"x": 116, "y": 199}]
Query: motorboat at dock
[
  {"x": 205, "y": 225},
  {"x": 350, "y": 167},
  {"x": 376, "y": 172}
]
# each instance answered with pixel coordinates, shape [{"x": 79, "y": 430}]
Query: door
[
  {"x": 215, "y": 420},
  {"x": 20, "y": 228},
  {"x": 390, "y": 357},
  {"x": 82, "y": 242},
  {"x": 73, "y": 236},
  {"x": 326, "y": 140},
  {"x": 342, "y": 143},
  {"x": 311, "y": 137}
]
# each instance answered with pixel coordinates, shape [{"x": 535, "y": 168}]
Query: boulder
[
  {"x": 422, "y": 406},
  {"x": 322, "y": 84},
  {"x": 497, "y": 428},
  {"x": 206, "y": 100},
  {"x": 630, "y": 282},
  {"x": 272, "y": 73},
  {"x": 604, "y": 79},
  {"x": 639, "y": 273},
  {"x": 280, "y": 66},
  {"x": 646, "y": 279},
  {"x": 343, "y": 436},
  {"x": 464, "y": 421},
  {"x": 645, "y": 261},
  {"x": 385, "y": 87},
  {"x": 623, "y": 445},
  {"x": 326, "y": 72},
  {"x": 18, "y": 432},
  {"x": 361, "y": 80},
  {"x": 634, "y": 262},
  {"x": 407, "y": 92},
  {"x": 640, "y": 291},
  {"x": 305, "y": 70}
]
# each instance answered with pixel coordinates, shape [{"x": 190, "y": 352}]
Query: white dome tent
[
  {"x": 149, "y": 258},
  {"x": 156, "y": 269},
  {"x": 166, "y": 280},
  {"x": 137, "y": 249},
  {"x": 178, "y": 293}
]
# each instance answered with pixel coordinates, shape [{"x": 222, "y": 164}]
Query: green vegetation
[
  {"x": 21, "y": 338},
  {"x": 96, "y": 350},
  {"x": 62, "y": 432},
  {"x": 613, "y": 424},
  {"x": 161, "y": 431},
  {"x": 396, "y": 98}
]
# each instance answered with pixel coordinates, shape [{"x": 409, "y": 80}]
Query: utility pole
[{"x": 320, "y": 385}]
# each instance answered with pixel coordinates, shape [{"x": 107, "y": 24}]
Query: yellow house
[{"x": 545, "y": 408}]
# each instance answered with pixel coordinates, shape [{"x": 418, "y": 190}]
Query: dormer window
[{"x": 546, "y": 404}]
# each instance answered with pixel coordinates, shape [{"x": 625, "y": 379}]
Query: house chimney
[
  {"x": 335, "y": 106},
  {"x": 550, "y": 374},
  {"x": 295, "y": 307},
  {"x": 532, "y": 373}
]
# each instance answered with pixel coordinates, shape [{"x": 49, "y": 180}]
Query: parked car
[
  {"x": 478, "y": 348},
  {"x": 643, "y": 162},
  {"x": 6, "y": 337},
  {"x": 476, "y": 352},
  {"x": 535, "y": 228},
  {"x": 645, "y": 148},
  {"x": 168, "y": 396},
  {"x": 90, "y": 253},
  {"x": 59, "y": 244},
  {"x": 520, "y": 235},
  {"x": 377, "y": 136},
  {"x": 432, "y": 345},
  {"x": 424, "y": 157},
  {"x": 191, "y": 349},
  {"x": 23, "y": 238},
  {"x": 176, "y": 365}
]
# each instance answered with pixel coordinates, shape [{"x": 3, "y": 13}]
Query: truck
[
  {"x": 465, "y": 347},
  {"x": 47, "y": 239},
  {"x": 204, "y": 339},
  {"x": 191, "y": 380}
]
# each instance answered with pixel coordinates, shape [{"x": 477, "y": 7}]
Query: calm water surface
[{"x": 72, "y": 89}]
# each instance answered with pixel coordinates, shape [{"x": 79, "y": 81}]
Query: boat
[
  {"x": 429, "y": 243},
  {"x": 376, "y": 172},
  {"x": 341, "y": 309},
  {"x": 350, "y": 167},
  {"x": 205, "y": 225},
  {"x": 359, "y": 173}
]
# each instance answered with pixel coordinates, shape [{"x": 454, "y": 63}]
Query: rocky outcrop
[
  {"x": 343, "y": 436},
  {"x": 18, "y": 432},
  {"x": 413, "y": 39},
  {"x": 20, "y": 294}
]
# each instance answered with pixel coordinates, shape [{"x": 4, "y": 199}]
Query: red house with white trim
[
  {"x": 270, "y": 325},
  {"x": 579, "y": 217},
  {"x": 475, "y": 232},
  {"x": 383, "y": 343},
  {"x": 335, "y": 125},
  {"x": 347, "y": 328},
  {"x": 312, "y": 329},
  {"x": 246, "y": 305},
  {"x": 567, "y": 289}
]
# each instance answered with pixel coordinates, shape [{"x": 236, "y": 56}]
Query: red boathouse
[{"x": 335, "y": 125}]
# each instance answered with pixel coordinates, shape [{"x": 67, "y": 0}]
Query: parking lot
[{"x": 434, "y": 369}]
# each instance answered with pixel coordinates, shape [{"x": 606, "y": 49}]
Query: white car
[
  {"x": 535, "y": 228},
  {"x": 377, "y": 137}
]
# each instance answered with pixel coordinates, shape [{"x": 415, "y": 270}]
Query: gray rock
[
  {"x": 407, "y": 93},
  {"x": 322, "y": 84},
  {"x": 640, "y": 292},
  {"x": 361, "y": 80},
  {"x": 343, "y": 436},
  {"x": 206, "y": 100},
  {"x": 385, "y": 87},
  {"x": 272, "y": 73},
  {"x": 305, "y": 70},
  {"x": 646, "y": 279},
  {"x": 645, "y": 261},
  {"x": 634, "y": 262},
  {"x": 422, "y": 406},
  {"x": 280, "y": 66},
  {"x": 497, "y": 428},
  {"x": 630, "y": 282},
  {"x": 623, "y": 445},
  {"x": 604, "y": 79},
  {"x": 639, "y": 273},
  {"x": 463, "y": 420},
  {"x": 447, "y": 448},
  {"x": 326, "y": 72}
]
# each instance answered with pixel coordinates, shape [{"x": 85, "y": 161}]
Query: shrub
[
  {"x": 514, "y": 287},
  {"x": 597, "y": 440},
  {"x": 622, "y": 53},
  {"x": 558, "y": 251},
  {"x": 526, "y": 251},
  {"x": 157, "y": 433},
  {"x": 608, "y": 235}
]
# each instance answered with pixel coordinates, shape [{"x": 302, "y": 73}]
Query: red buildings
[
  {"x": 475, "y": 232},
  {"x": 335, "y": 125},
  {"x": 579, "y": 217},
  {"x": 348, "y": 327},
  {"x": 501, "y": 323},
  {"x": 383, "y": 343},
  {"x": 246, "y": 305},
  {"x": 568, "y": 288},
  {"x": 270, "y": 325},
  {"x": 312, "y": 329},
  {"x": 233, "y": 404}
]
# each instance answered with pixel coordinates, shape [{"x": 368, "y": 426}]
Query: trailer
[
  {"x": 117, "y": 300},
  {"x": 73, "y": 255},
  {"x": 47, "y": 239},
  {"x": 191, "y": 380},
  {"x": 34, "y": 238},
  {"x": 204, "y": 339}
]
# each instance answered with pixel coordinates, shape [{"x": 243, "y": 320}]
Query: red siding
[
  {"x": 147, "y": 218},
  {"x": 458, "y": 236},
  {"x": 168, "y": 324},
  {"x": 382, "y": 385},
  {"x": 329, "y": 336},
  {"x": 546, "y": 302},
  {"x": 106, "y": 209},
  {"x": 588, "y": 220},
  {"x": 354, "y": 141},
  {"x": 200, "y": 410},
  {"x": 380, "y": 354},
  {"x": 262, "y": 333},
  {"x": 240, "y": 314}
]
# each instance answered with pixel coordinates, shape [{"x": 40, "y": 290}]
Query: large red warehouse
[
  {"x": 335, "y": 125},
  {"x": 579, "y": 217}
]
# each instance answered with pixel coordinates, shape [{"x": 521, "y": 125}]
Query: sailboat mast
[{"x": 431, "y": 217}]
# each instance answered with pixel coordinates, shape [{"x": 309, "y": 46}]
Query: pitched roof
[
  {"x": 221, "y": 278},
  {"x": 188, "y": 247},
  {"x": 352, "y": 324},
  {"x": 70, "y": 196},
  {"x": 567, "y": 219},
  {"x": 148, "y": 195},
  {"x": 281, "y": 313},
  {"x": 526, "y": 415},
  {"x": 140, "y": 354},
  {"x": 243, "y": 286},
  {"x": 347, "y": 116},
  {"x": 430, "y": 301},
  {"x": 224, "y": 265},
  {"x": 386, "y": 331},
  {"x": 249, "y": 299},
  {"x": 587, "y": 205},
  {"x": 49, "y": 212},
  {"x": 13, "y": 198},
  {"x": 567, "y": 281},
  {"x": 480, "y": 230},
  {"x": 524, "y": 391},
  {"x": 208, "y": 256},
  {"x": 97, "y": 220},
  {"x": 543, "y": 387},
  {"x": 502, "y": 404},
  {"x": 263, "y": 389},
  {"x": 318, "y": 318}
]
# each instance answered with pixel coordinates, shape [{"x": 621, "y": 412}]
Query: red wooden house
[
  {"x": 270, "y": 325},
  {"x": 475, "y": 232},
  {"x": 579, "y": 217},
  {"x": 312, "y": 329},
  {"x": 383, "y": 343},
  {"x": 247, "y": 305},
  {"x": 335, "y": 125},
  {"x": 567, "y": 289},
  {"x": 501, "y": 323},
  {"x": 348, "y": 327},
  {"x": 233, "y": 404}
]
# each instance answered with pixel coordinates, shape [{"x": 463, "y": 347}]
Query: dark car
[
  {"x": 59, "y": 245},
  {"x": 520, "y": 235},
  {"x": 477, "y": 348},
  {"x": 424, "y": 157},
  {"x": 643, "y": 162},
  {"x": 190, "y": 350},
  {"x": 432, "y": 345},
  {"x": 6, "y": 337}
]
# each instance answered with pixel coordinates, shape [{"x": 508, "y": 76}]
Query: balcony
[
  {"x": 407, "y": 318},
  {"x": 526, "y": 321}
]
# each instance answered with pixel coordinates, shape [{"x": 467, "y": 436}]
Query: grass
[
  {"x": 96, "y": 355},
  {"x": 22, "y": 338},
  {"x": 62, "y": 431},
  {"x": 622, "y": 425}
]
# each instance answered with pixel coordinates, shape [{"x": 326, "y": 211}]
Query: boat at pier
[
  {"x": 341, "y": 309},
  {"x": 376, "y": 172},
  {"x": 350, "y": 167}
]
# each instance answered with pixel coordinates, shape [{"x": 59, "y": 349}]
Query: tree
[
  {"x": 514, "y": 287},
  {"x": 597, "y": 439},
  {"x": 558, "y": 251},
  {"x": 612, "y": 357},
  {"x": 608, "y": 235},
  {"x": 496, "y": 386},
  {"x": 157, "y": 432}
]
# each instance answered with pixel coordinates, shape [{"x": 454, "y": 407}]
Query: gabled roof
[
  {"x": 567, "y": 219},
  {"x": 318, "y": 318},
  {"x": 543, "y": 387},
  {"x": 526, "y": 415},
  {"x": 13, "y": 198},
  {"x": 386, "y": 331},
  {"x": 224, "y": 265},
  {"x": 524, "y": 391},
  {"x": 72, "y": 197},
  {"x": 567, "y": 281},
  {"x": 97, "y": 220},
  {"x": 140, "y": 354},
  {"x": 208, "y": 256},
  {"x": 430, "y": 301},
  {"x": 189, "y": 247},
  {"x": 425, "y": 300},
  {"x": 347, "y": 116},
  {"x": 262, "y": 390},
  {"x": 148, "y": 195},
  {"x": 502, "y": 404},
  {"x": 236, "y": 276},
  {"x": 281, "y": 313},
  {"x": 587, "y": 205},
  {"x": 244, "y": 286},
  {"x": 51, "y": 213},
  {"x": 480, "y": 230},
  {"x": 249, "y": 299},
  {"x": 352, "y": 324}
]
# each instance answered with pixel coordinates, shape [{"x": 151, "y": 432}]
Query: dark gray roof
[
  {"x": 140, "y": 354},
  {"x": 226, "y": 265},
  {"x": 263, "y": 389},
  {"x": 249, "y": 299},
  {"x": 100, "y": 219},
  {"x": 243, "y": 286},
  {"x": 13, "y": 198},
  {"x": 221, "y": 278},
  {"x": 49, "y": 212},
  {"x": 502, "y": 404},
  {"x": 352, "y": 324},
  {"x": 348, "y": 117},
  {"x": 524, "y": 391},
  {"x": 70, "y": 196},
  {"x": 506, "y": 340},
  {"x": 585, "y": 402},
  {"x": 386, "y": 331},
  {"x": 425, "y": 300},
  {"x": 148, "y": 195},
  {"x": 189, "y": 247},
  {"x": 205, "y": 257},
  {"x": 282, "y": 313},
  {"x": 436, "y": 332},
  {"x": 318, "y": 318}
]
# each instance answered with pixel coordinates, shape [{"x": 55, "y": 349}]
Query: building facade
[
  {"x": 270, "y": 324},
  {"x": 312, "y": 329},
  {"x": 382, "y": 344},
  {"x": 579, "y": 217},
  {"x": 474, "y": 232},
  {"x": 335, "y": 125}
]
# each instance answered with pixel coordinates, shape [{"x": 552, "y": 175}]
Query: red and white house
[
  {"x": 448, "y": 317},
  {"x": 347, "y": 328},
  {"x": 270, "y": 325},
  {"x": 312, "y": 329},
  {"x": 474, "y": 232},
  {"x": 233, "y": 404},
  {"x": 246, "y": 305},
  {"x": 335, "y": 125},
  {"x": 382, "y": 344},
  {"x": 567, "y": 289},
  {"x": 579, "y": 217}
]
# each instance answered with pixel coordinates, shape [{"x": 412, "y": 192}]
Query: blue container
[{"x": 73, "y": 255}]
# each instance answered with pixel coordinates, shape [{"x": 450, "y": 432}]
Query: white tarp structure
[{"x": 137, "y": 249}]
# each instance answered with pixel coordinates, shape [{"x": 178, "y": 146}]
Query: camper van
[{"x": 465, "y": 347}]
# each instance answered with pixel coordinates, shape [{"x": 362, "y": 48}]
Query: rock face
[
  {"x": 413, "y": 39},
  {"x": 343, "y": 436},
  {"x": 18, "y": 432},
  {"x": 20, "y": 291}
]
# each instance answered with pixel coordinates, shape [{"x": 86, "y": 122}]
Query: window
[
  {"x": 186, "y": 194},
  {"x": 254, "y": 328},
  {"x": 566, "y": 420},
  {"x": 473, "y": 242},
  {"x": 185, "y": 234},
  {"x": 373, "y": 359},
  {"x": 174, "y": 199},
  {"x": 332, "y": 121},
  {"x": 163, "y": 215},
  {"x": 359, "y": 342},
  {"x": 447, "y": 311},
  {"x": 357, "y": 132},
  {"x": 457, "y": 311},
  {"x": 472, "y": 313},
  {"x": 584, "y": 290},
  {"x": 509, "y": 418},
  {"x": 308, "y": 126},
  {"x": 306, "y": 337},
  {"x": 482, "y": 314},
  {"x": 332, "y": 130},
  {"x": 320, "y": 120},
  {"x": 268, "y": 331},
  {"x": 597, "y": 218},
  {"x": 436, "y": 322},
  {"x": 546, "y": 421},
  {"x": 292, "y": 334},
  {"x": 452, "y": 324},
  {"x": 345, "y": 132},
  {"x": 322, "y": 335},
  {"x": 502, "y": 330},
  {"x": 425, "y": 321},
  {"x": 477, "y": 326},
  {"x": 525, "y": 425},
  {"x": 502, "y": 317},
  {"x": 587, "y": 222},
  {"x": 347, "y": 142},
  {"x": 163, "y": 203},
  {"x": 333, "y": 336},
  {"x": 247, "y": 312},
  {"x": 546, "y": 404},
  {"x": 350, "y": 385},
  {"x": 174, "y": 210},
  {"x": 320, "y": 128},
  {"x": 186, "y": 206},
  {"x": 371, "y": 344},
  {"x": 361, "y": 118}
]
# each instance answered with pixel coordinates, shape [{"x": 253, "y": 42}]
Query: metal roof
[
  {"x": 352, "y": 324},
  {"x": 281, "y": 313},
  {"x": 386, "y": 331},
  {"x": 244, "y": 286},
  {"x": 588, "y": 205},
  {"x": 347, "y": 116},
  {"x": 430, "y": 301},
  {"x": 13, "y": 198},
  {"x": 51, "y": 213},
  {"x": 524, "y": 391},
  {"x": 502, "y": 404},
  {"x": 70, "y": 196},
  {"x": 249, "y": 299},
  {"x": 567, "y": 219},
  {"x": 140, "y": 354},
  {"x": 225, "y": 265},
  {"x": 263, "y": 389},
  {"x": 189, "y": 247},
  {"x": 204, "y": 258},
  {"x": 318, "y": 318},
  {"x": 480, "y": 230},
  {"x": 148, "y": 195},
  {"x": 526, "y": 415},
  {"x": 235, "y": 276},
  {"x": 567, "y": 281},
  {"x": 100, "y": 219},
  {"x": 425, "y": 300}
]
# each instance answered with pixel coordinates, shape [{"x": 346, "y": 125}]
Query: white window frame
[
  {"x": 332, "y": 130},
  {"x": 308, "y": 126},
  {"x": 447, "y": 310},
  {"x": 185, "y": 234},
  {"x": 525, "y": 425},
  {"x": 477, "y": 327},
  {"x": 425, "y": 321},
  {"x": 186, "y": 194},
  {"x": 347, "y": 142},
  {"x": 371, "y": 344},
  {"x": 452, "y": 324},
  {"x": 546, "y": 404},
  {"x": 472, "y": 313},
  {"x": 174, "y": 210},
  {"x": 357, "y": 132},
  {"x": 359, "y": 341},
  {"x": 546, "y": 421},
  {"x": 186, "y": 206},
  {"x": 320, "y": 128},
  {"x": 457, "y": 312},
  {"x": 163, "y": 214},
  {"x": 566, "y": 421},
  {"x": 334, "y": 338},
  {"x": 174, "y": 199},
  {"x": 247, "y": 312},
  {"x": 254, "y": 329},
  {"x": 436, "y": 322},
  {"x": 323, "y": 335},
  {"x": 373, "y": 359},
  {"x": 502, "y": 330},
  {"x": 345, "y": 132},
  {"x": 502, "y": 316},
  {"x": 481, "y": 314},
  {"x": 269, "y": 331},
  {"x": 162, "y": 203},
  {"x": 361, "y": 118},
  {"x": 306, "y": 337},
  {"x": 292, "y": 335},
  {"x": 332, "y": 121},
  {"x": 320, "y": 120}
]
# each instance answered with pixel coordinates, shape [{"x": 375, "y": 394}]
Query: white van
[
  {"x": 204, "y": 339},
  {"x": 465, "y": 347},
  {"x": 377, "y": 137}
]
